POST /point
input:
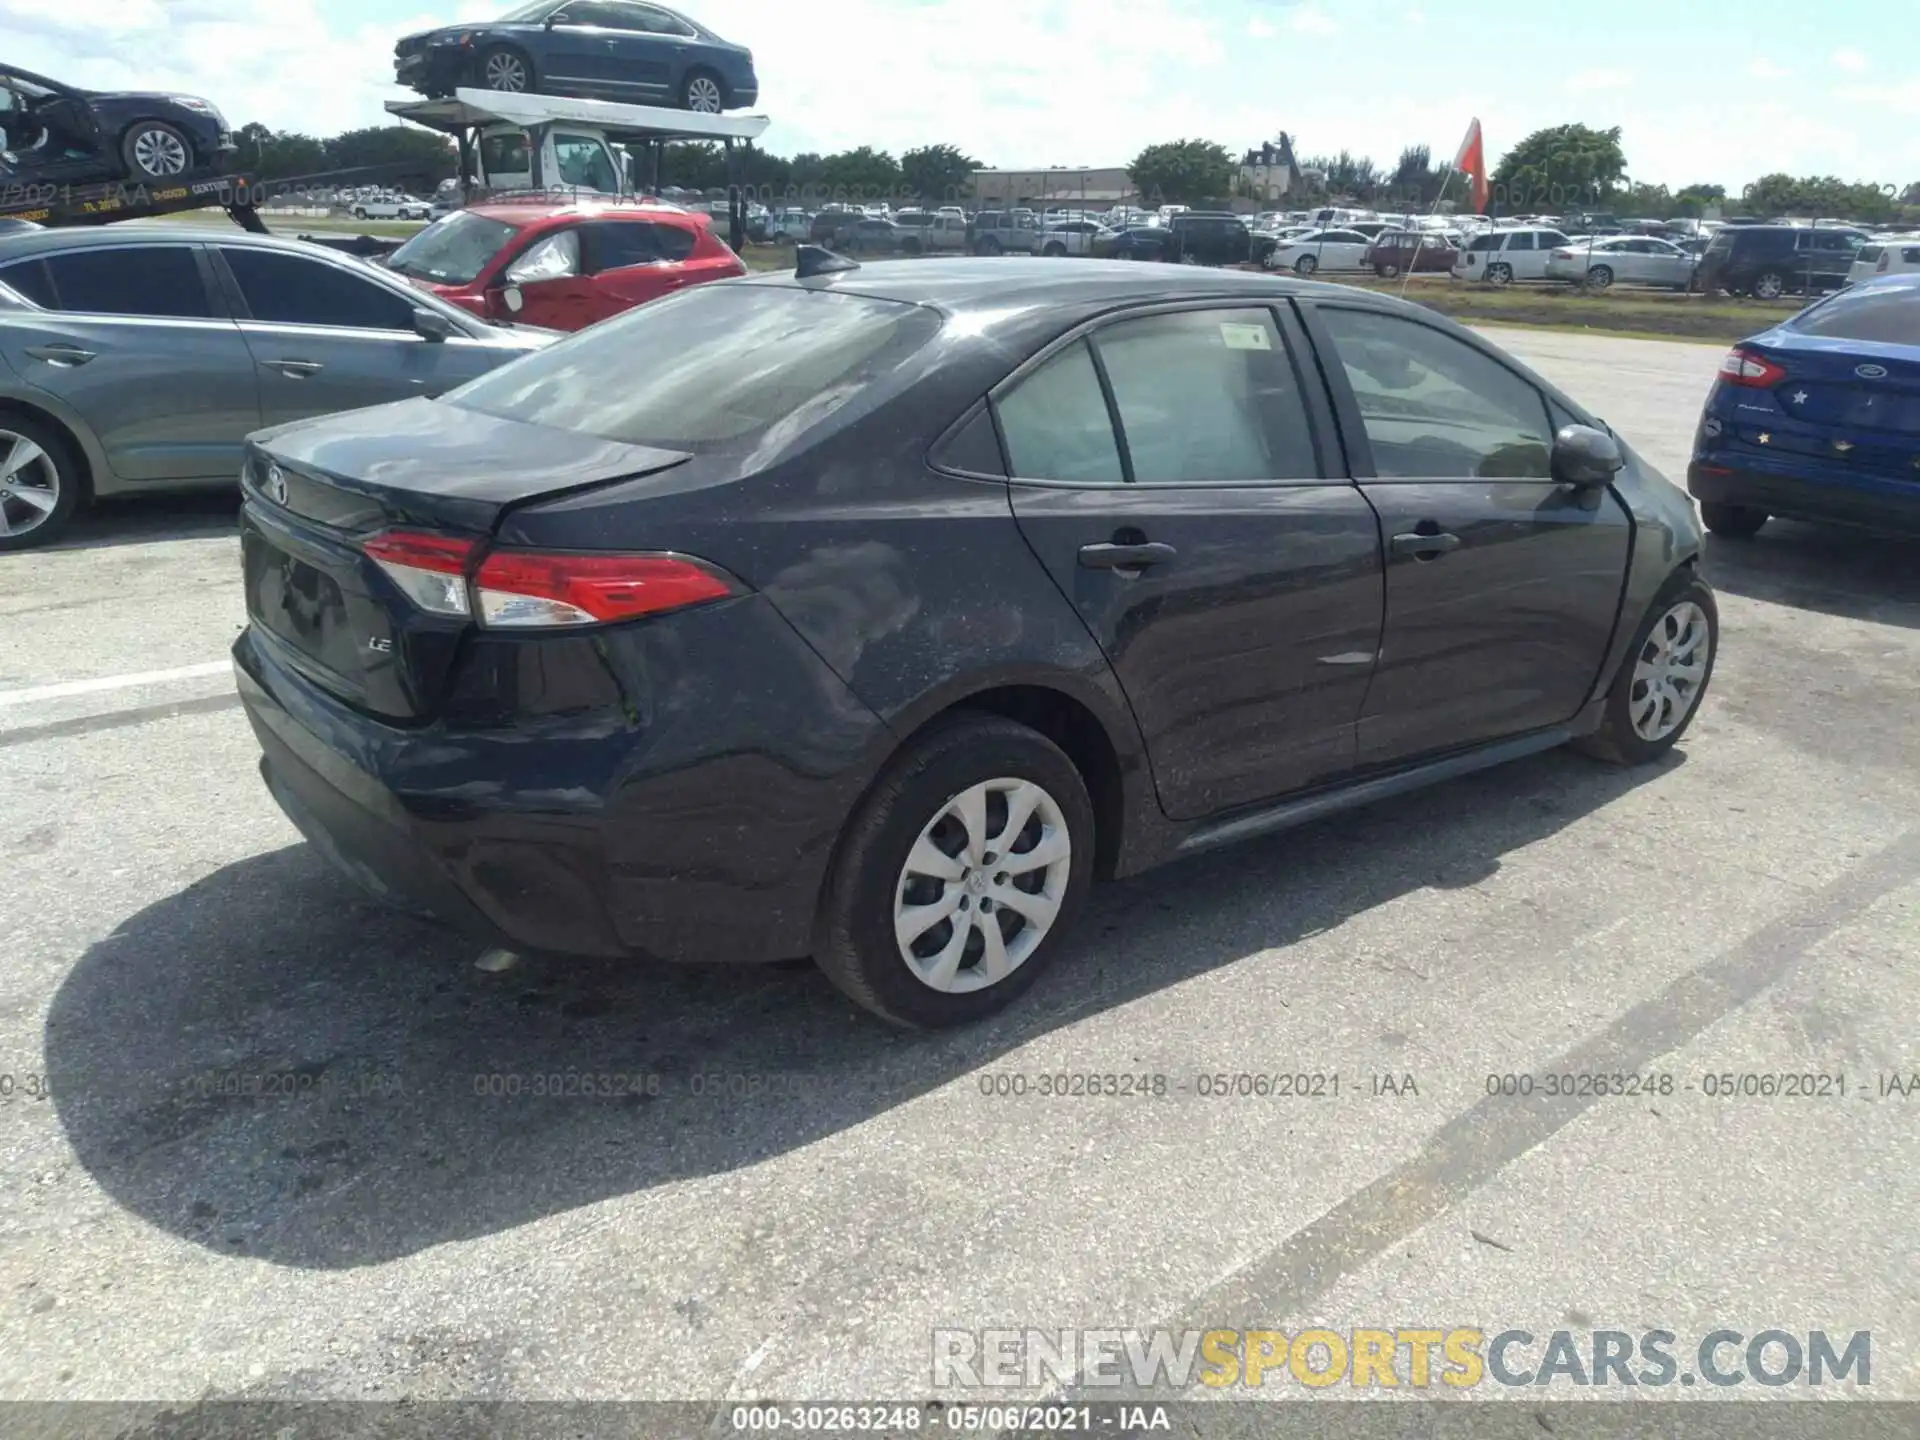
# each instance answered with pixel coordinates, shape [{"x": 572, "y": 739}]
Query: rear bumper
[
  {"x": 435, "y": 69},
  {"x": 675, "y": 823},
  {"x": 1843, "y": 500}
]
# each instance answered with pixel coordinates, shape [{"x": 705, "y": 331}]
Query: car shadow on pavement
[
  {"x": 147, "y": 519},
  {"x": 1852, "y": 574},
  {"x": 266, "y": 1066}
]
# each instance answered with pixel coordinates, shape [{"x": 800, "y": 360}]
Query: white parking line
[{"x": 69, "y": 688}]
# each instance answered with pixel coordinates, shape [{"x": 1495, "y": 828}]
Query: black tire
[
  {"x": 854, "y": 937},
  {"x": 1387, "y": 272},
  {"x": 1768, "y": 285},
  {"x": 1732, "y": 522},
  {"x": 507, "y": 70},
  {"x": 154, "y": 151},
  {"x": 989, "y": 246},
  {"x": 910, "y": 246},
  {"x": 1616, "y": 741},
  {"x": 703, "y": 92},
  {"x": 1499, "y": 274},
  {"x": 67, "y": 479},
  {"x": 1054, "y": 249},
  {"x": 1305, "y": 265},
  {"x": 1600, "y": 277}
]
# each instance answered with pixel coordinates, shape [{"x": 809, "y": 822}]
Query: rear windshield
[
  {"x": 1883, "y": 315},
  {"x": 726, "y": 366},
  {"x": 453, "y": 250}
]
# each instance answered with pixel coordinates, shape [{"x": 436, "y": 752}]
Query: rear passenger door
[
  {"x": 1502, "y": 587},
  {"x": 137, "y": 342},
  {"x": 1174, "y": 472},
  {"x": 325, "y": 338}
]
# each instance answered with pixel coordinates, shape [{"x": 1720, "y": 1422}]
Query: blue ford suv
[{"x": 1818, "y": 418}]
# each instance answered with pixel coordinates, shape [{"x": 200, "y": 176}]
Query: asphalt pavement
[{"x": 260, "y": 1138}]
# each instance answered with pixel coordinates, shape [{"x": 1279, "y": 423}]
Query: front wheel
[
  {"x": 1733, "y": 522},
  {"x": 1663, "y": 677},
  {"x": 154, "y": 151},
  {"x": 1305, "y": 265},
  {"x": 506, "y": 70},
  {"x": 957, "y": 875}
]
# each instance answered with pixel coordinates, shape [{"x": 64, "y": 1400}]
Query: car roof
[
  {"x": 528, "y": 212},
  {"x": 958, "y": 285},
  {"x": 114, "y": 237}
]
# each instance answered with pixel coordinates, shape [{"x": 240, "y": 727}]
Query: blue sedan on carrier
[
  {"x": 1818, "y": 418},
  {"x": 590, "y": 49}
]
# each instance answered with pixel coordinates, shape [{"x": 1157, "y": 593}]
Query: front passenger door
[
  {"x": 1176, "y": 477},
  {"x": 1502, "y": 586}
]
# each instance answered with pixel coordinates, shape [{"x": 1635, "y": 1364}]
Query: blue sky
[{"x": 1703, "y": 92}]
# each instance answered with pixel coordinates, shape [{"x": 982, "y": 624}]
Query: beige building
[{"x": 1094, "y": 188}]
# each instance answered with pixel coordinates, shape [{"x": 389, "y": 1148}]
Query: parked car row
[{"x": 97, "y": 400}]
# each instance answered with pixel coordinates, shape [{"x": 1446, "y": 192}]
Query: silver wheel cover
[
  {"x": 1669, "y": 672},
  {"x": 982, "y": 885},
  {"x": 29, "y": 485},
  {"x": 703, "y": 95},
  {"x": 159, "y": 152}
]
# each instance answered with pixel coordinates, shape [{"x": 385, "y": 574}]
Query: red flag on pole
[{"x": 1472, "y": 162}]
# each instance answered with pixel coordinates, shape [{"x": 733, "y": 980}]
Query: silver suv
[{"x": 995, "y": 232}]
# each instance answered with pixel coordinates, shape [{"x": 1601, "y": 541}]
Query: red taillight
[
  {"x": 522, "y": 589},
  {"x": 532, "y": 590},
  {"x": 431, "y": 569},
  {"x": 1744, "y": 367}
]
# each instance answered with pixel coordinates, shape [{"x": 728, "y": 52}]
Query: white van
[{"x": 1503, "y": 256}]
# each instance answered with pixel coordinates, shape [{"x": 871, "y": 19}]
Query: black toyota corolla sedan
[{"x": 872, "y": 612}]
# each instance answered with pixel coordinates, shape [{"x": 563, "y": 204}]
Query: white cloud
[
  {"x": 1900, "y": 99},
  {"x": 1765, "y": 69},
  {"x": 1308, "y": 20},
  {"x": 1850, "y": 60},
  {"x": 1588, "y": 81},
  {"x": 1260, "y": 29}
]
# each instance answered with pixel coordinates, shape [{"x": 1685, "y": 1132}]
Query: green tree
[
  {"x": 1567, "y": 167},
  {"x": 1183, "y": 172},
  {"x": 423, "y": 157},
  {"x": 858, "y": 175},
  {"x": 1649, "y": 202},
  {"x": 693, "y": 165},
  {"x": 1820, "y": 197},
  {"x": 938, "y": 174},
  {"x": 1695, "y": 200}
]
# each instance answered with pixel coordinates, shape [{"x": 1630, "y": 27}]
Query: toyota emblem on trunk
[
  {"x": 1871, "y": 372},
  {"x": 275, "y": 485}
]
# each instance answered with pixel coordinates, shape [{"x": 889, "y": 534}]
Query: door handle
[
  {"x": 1126, "y": 557},
  {"x": 65, "y": 356},
  {"x": 295, "y": 369},
  {"x": 1425, "y": 547}
]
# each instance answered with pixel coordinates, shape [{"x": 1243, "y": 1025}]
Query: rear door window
[
  {"x": 1057, "y": 425},
  {"x": 149, "y": 280},
  {"x": 1207, "y": 397}
]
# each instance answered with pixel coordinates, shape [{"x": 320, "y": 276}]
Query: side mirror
[
  {"x": 432, "y": 325},
  {"x": 1585, "y": 458},
  {"x": 513, "y": 299}
]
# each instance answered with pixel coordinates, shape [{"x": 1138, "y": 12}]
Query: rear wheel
[
  {"x": 957, "y": 874},
  {"x": 39, "y": 483},
  {"x": 1600, "y": 277},
  {"x": 155, "y": 151},
  {"x": 989, "y": 246},
  {"x": 1055, "y": 249},
  {"x": 1388, "y": 271},
  {"x": 1734, "y": 522},
  {"x": 1768, "y": 285},
  {"x": 701, "y": 92},
  {"x": 1658, "y": 690},
  {"x": 506, "y": 69},
  {"x": 1500, "y": 274}
]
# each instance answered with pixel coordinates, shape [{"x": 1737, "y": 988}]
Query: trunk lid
[
  {"x": 314, "y": 493},
  {"x": 1848, "y": 385}
]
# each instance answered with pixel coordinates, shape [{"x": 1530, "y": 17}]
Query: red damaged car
[{"x": 563, "y": 265}]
